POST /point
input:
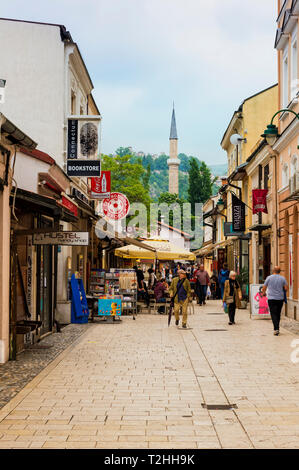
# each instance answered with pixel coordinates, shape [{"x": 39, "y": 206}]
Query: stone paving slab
[
  {"x": 143, "y": 386},
  {"x": 14, "y": 375}
]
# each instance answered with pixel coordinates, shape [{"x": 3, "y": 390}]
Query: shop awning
[
  {"x": 159, "y": 249},
  {"x": 239, "y": 173},
  {"x": 222, "y": 244},
  {"x": 122, "y": 240},
  {"x": 259, "y": 227},
  {"x": 204, "y": 250},
  {"x": 35, "y": 202}
]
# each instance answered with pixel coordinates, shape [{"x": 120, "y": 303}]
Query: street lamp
[{"x": 271, "y": 133}]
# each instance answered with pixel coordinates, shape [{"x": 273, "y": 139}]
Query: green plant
[{"x": 243, "y": 280}]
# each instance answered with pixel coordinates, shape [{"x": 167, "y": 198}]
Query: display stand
[
  {"x": 114, "y": 284},
  {"x": 97, "y": 282},
  {"x": 123, "y": 282},
  {"x": 79, "y": 312}
]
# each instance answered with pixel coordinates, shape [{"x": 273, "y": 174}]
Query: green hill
[{"x": 159, "y": 174}]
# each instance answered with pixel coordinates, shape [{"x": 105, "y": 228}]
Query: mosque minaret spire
[{"x": 173, "y": 162}]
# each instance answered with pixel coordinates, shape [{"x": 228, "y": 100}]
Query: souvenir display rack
[
  {"x": 97, "y": 282},
  {"x": 121, "y": 283}
]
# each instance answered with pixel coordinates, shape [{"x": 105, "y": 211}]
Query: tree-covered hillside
[{"x": 158, "y": 181}]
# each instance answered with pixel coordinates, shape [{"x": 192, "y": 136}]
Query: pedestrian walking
[
  {"x": 223, "y": 276},
  {"x": 232, "y": 296},
  {"x": 202, "y": 283},
  {"x": 180, "y": 291},
  {"x": 277, "y": 288}
]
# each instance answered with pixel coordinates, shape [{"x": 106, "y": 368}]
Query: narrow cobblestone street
[{"x": 140, "y": 384}]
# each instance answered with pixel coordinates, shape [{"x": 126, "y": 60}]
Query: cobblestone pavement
[
  {"x": 14, "y": 375},
  {"x": 140, "y": 384}
]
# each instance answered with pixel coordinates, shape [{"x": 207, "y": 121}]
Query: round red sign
[{"x": 116, "y": 207}]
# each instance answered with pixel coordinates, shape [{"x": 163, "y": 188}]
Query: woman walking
[{"x": 232, "y": 296}]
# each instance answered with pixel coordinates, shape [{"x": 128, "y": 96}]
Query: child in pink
[{"x": 263, "y": 302}]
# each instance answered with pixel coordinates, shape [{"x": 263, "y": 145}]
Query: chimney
[{"x": 224, "y": 180}]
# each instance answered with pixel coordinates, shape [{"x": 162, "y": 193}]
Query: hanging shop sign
[
  {"x": 228, "y": 230},
  {"x": 259, "y": 201},
  {"x": 116, "y": 207},
  {"x": 72, "y": 141},
  {"x": 238, "y": 214},
  {"x": 83, "y": 168},
  {"x": 83, "y": 137},
  {"x": 101, "y": 187},
  {"x": 61, "y": 238}
]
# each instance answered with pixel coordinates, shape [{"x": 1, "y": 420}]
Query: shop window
[
  {"x": 285, "y": 80},
  {"x": 285, "y": 175},
  {"x": 266, "y": 177},
  {"x": 294, "y": 65},
  {"x": 294, "y": 165},
  {"x": 73, "y": 103}
]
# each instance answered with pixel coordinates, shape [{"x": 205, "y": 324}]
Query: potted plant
[{"x": 243, "y": 279}]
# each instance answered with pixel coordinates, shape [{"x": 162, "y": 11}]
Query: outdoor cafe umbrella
[{"x": 165, "y": 250}]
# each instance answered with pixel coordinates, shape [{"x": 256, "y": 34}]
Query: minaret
[{"x": 173, "y": 162}]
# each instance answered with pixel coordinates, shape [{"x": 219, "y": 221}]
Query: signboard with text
[
  {"x": 72, "y": 139},
  {"x": 83, "y": 168},
  {"x": 61, "y": 238},
  {"x": 238, "y": 214},
  {"x": 101, "y": 187},
  {"x": 259, "y": 201}
]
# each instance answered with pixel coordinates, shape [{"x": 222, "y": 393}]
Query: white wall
[
  {"x": 174, "y": 237},
  {"x": 26, "y": 171},
  {"x": 32, "y": 62}
]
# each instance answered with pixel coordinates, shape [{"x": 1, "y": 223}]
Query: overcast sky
[{"x": 206, "y": 55}]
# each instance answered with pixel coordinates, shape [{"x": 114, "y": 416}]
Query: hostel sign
[{"x": 61, "y": 238}]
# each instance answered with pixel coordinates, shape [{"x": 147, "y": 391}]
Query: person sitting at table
[
  {"x": 160, "y": 290},
  {"x": 142, "y": 293},
  {"x": 152, "y": 280}
]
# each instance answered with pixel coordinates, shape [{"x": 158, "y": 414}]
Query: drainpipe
[{"x": 274, "y": 155}]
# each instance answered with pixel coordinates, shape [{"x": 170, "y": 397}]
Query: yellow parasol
[{"x": 165, "y": 250}]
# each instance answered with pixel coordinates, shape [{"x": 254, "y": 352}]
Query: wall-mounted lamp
[{"x": 236, "y": 139}]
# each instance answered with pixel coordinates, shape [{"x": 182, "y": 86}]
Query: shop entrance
[
  {"x": 44, "y": 299},
  {"x": 267, "y": 260}
]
